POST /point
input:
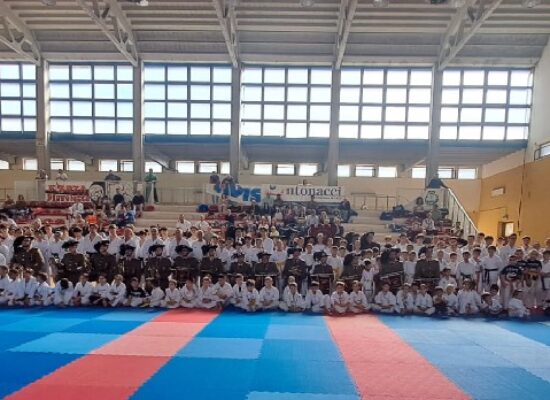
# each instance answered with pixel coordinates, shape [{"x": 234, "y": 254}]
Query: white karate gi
[
  {"x": 62, "y": 296},
  {"x": 490, "y": 271},
  {"x": 269, "y": 294},
  {"x": 4, "y": 282},
  {"x": 409, "y": 268},
  {"x": 292, "y": 302},
  {"x": 27, "y": 290},
  {"x": 516, "y": 309},
  {"x": 465, "y": 270},
  {"x": 172, "y": 295},
  {"x": 386, "y": 300},
  {"x": 225, "y": 291},
  {"x": 251, "y": 300},
  {"x": 404, "y": 302},
  {"x": 340, "y": 302},
  {"x": 444, "y": 282},
  {"x": 189, "y": 296},
  {"x": 545, "y": 281},
  {"x": 238, "y": 295},
  {"x": 452, "y": 303},
  {"x": 424, "y": 304},
  {"x": 367, "y": 281},
  {"x": 207, "y": 297},
  {"x": 13, "y": 291},
  {"x": 317, "y": 302},
  {"x": 42, "y": 295},
  {"x": 358, "y": 302},
  {"x": 467, "y": 302},
  {"x": 84, "y": 292},
  {"x": 156, "y": 297},
  {"x": 117, "y": 295}
]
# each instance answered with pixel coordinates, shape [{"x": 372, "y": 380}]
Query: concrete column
[
  {"x": 235, "y": 139},
  {"x": 432, "y": 157},
  {"x": 137, "y": 139},
  {"x": 42, "y": 126},
  {"x": 333, "y": 141}
]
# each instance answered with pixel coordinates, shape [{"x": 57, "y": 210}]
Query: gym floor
[{"x": 144, "y": 354}]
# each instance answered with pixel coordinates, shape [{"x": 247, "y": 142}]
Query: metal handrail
[{"x": 457, "y": 213}]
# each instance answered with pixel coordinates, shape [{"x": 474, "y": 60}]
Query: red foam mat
[
  {"x": 117, "y": 369},
  {"x": 384, "y": 366}
]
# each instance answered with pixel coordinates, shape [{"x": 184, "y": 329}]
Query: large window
[
  {"x": 307, "y": 169},
  {"x": 263, "y": 169},
  {"x": 17, "y": 97},
  {"x": 486, "y": 104},
  {"x": 385, "y": 103},
  {"x": 182, "y": 100},
  {"x": 185, "y": 167},
  {"x": 30, "y": 164},
  {"x": 108, "y": 165},
  {"x": 286, "y": 169},
  {"x": 88, "y": 99},
  {"x": 292, "y": 102},
  {"x": 4, "y": 164}
]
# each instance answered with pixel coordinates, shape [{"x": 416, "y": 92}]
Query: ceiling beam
[
  {"x": 65, "y": 150},
  {"x": 10, "y": 158},
  {"x": 17, "y": 36},
  {"x": 225, "y": 12},
  {"x": 464, "y": 25},
  {"x": 113, "y": 23},
  {"x": 345, "y": 20}
]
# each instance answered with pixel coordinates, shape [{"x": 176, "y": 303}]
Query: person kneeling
[
  {"x": 173, "y": 295},
  {"x": 100, "y": 294},
  {"x": 43, "y": 292},
  {"x": 317, "y": 301},
  {"x": 224, "y": 291},
  {"x": 292, "y": 300},
  {"x": 424, "y": 302},
  {"x": 384, "y": 300},
  {"x": 467, "y": 304},
  {"x": 251, "y": 299},
  {"x": 269, "y": 295}
]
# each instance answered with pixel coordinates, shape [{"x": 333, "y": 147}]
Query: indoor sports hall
[{"x": 275, "y": 199}]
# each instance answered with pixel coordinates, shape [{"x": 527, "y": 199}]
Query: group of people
[{"x": 262, "y": 270}]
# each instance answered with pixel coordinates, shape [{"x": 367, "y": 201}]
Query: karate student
[
  {"x": 117, "y": 294},
  {"x": 545, "y": 275},
  {"x": 516, "y": 308},
  {"x": 292, "y": 300},
  {"x": 404, "y": 300},
  {"x": 385, "y": 301},
  {"x": 510, "y": 280},
  {"x": 251, "y": 298},
  {"x": 206, "y": 296},
  {"x": 269, "y": 295},
  {"x": 286, "y": 291},
  {"x": 63, "y": 293},
  {"x": 189, "y": 294},
  {"x": 13, "y": 288},
  {"x": 43, "y": 292},
  {"x": 446, "y": 278},
  {"x": 172, "y": 298},
  {"x": 409, "y": 267},
  {"x": 452, "y": 299},
  {"x": 495, "y": 305},
  {"x": 357, "y": 299},
  {"x": 491, "y": 265},
  {"x": 155, "y": 295},
  {"x": 367, "y": 280},
  {"x": 465, "y": 269},
  {"x": 135, "y": 295},
  {"x": 223, "y": 291},
  {"x": 82, "y": 291},
  {"x": 424, "y": 302},
  {"x": 4, "y": 278},
  {"x": 439, "y": 302},
  {"x": 467, "y": 301},
  {"x": 100, "y": 294},
  {"x": 315, "y": 300},
  {"x": 340, "y": 301},
  {"x": 28, "y": 287},
  {"x": 239, "y": 289}
]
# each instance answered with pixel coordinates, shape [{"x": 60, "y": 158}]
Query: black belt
[{"x": 487, "y": 274}]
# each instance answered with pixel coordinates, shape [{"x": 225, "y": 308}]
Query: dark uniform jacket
[
  {"x": 72, "y": 266},
  {"x": 103, "y": 264},
  {"x": 31, "y": 258},
  {"x": 159, "y": 268}
]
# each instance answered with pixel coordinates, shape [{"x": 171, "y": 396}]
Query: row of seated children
[{"x": 31, "y": 291}]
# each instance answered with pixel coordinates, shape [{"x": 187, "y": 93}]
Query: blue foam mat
[
  {"x": 104, "y": 326},
  {"x": 297, "y": 332},
  {"x": 66, "y": 343},
  {"x": 41, "y": 324},
  {"x": 231, "y": 348},
  {"x": 23, "y": 368},
  {"x": 13, "y": 339},
  {"x": 304, "y": 350}
]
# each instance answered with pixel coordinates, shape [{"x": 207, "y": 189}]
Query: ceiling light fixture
[
  {"x": 307, "y": 3},
  {"x": 141, "y": 3},
  {"x": 49, "y": 3}
]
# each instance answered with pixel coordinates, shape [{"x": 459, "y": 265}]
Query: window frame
[
  {"x": 27, "y": 121},
  {"x": 100, "y": 167},
  {"x": 72, "y": 168},
  {"x": 263, "y": 164},
  {"x": 182, "y": 162},
  {"x": 32, "y": 161},
  {"x": 210, "y": 170}
]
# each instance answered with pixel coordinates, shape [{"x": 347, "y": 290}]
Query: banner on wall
[
  {"x": 243, "y": 194},
  {"x": 73, "y": 191},
  {"x": 433, "y": 197},
  {"x": 303, "y": 193}
]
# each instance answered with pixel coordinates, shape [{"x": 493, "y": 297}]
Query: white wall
[{"x": 540, "y": 117}]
